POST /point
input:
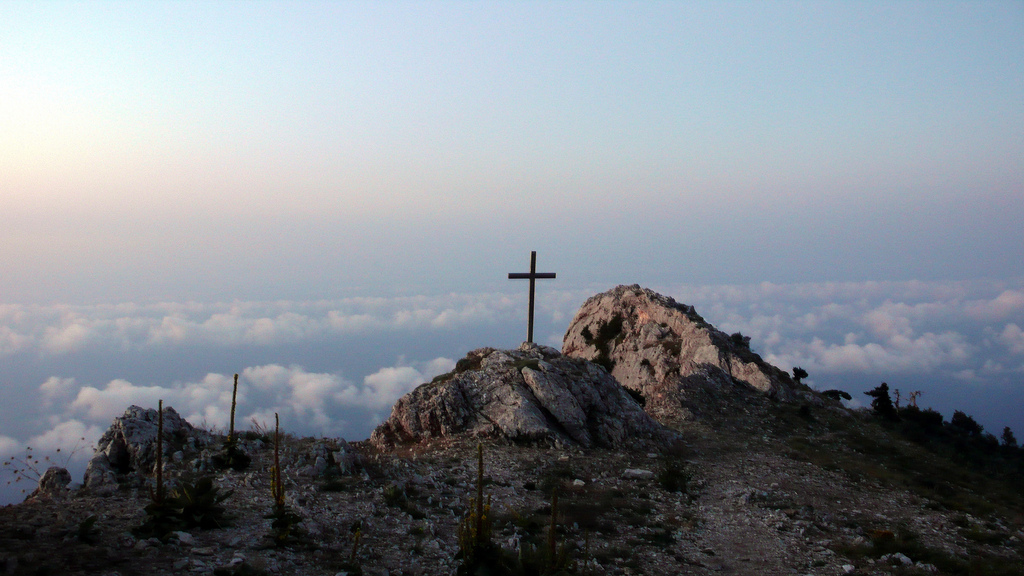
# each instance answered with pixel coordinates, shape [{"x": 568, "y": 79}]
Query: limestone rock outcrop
[
  {"x": 53, "y": 483},
  {"x": 530, "y": 395},
  {"x": 682, "y": 365},
  {"x": 129, "y": 445}
]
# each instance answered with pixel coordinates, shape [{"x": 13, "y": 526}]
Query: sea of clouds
[{"x": 335, "y": 367}]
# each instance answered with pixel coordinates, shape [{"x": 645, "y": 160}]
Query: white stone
[
  {"x": 902, "y": 559},
  {"x": 637, "y": 474}
]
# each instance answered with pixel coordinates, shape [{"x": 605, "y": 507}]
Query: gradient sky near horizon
[
  {"x": 178, "y": 179},
  {"x": 303, "y": 149}
]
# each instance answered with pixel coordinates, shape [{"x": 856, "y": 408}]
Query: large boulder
[
  {"x": 682, "y": 365},
  {"x": 52, "y": 484},
  {"x": 529, "y": 395},
  {"x": 128, "y": 447}
]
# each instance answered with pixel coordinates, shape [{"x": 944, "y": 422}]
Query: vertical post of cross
[{"x": 532, "y": 276}]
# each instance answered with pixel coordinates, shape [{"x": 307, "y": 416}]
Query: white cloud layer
[
  {"x": 62, "y": 329},
  {"x": 313, "y": 403},
  {"x": 952, "y": 333},
  {"x": 872, "y": 327},
  {"x": 1013, "y": 337}
]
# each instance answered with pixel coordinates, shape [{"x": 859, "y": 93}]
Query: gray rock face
[
  {"x": 53, "y": 483},
  {"x": 532, "y": 394},
  {"x": 665, "y": 350},
  {"x": 129, "y": 445},
  {"x": 329, "y": 458}
]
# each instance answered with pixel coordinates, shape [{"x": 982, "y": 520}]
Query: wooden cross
[{"x": 532, "y": 276}]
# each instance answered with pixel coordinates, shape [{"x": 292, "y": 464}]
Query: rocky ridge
[
  {"x": 744, "y": 485},
  {"x": 683, "y": 366},
  {"x": 736, "y": 506}
]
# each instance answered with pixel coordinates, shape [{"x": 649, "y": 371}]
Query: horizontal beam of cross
[{"x": 532, "y": 276}]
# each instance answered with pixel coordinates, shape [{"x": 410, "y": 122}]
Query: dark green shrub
[
  {"x": 243, "y": 569},
  {"x": 675, "y": 477},
  {"x": 199, "y": 504},
  {"x": 191, "y": 505},
  {"x": 837, "y": 395},
  {"x": 927, "y": 418},
  {"x": 531, "y": 363},
  {"x": 332, "y": 485},
  {"x": 393, "y": 495},
  {"x": 555, "y": 477},
  {"x": 964, "y": 424},
  {"x": 284, "y": 525},
  {"x": 470, "y": 362},
  {"x": 87, "y": 532},
  {"x": 805, "y": 412},
  {"x": 231, "y": 456},
  {"x": 739, "y": 340}
]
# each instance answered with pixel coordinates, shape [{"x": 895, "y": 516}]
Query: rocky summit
[
  {"x": 532, "y": 461},
  {"x": 681, "y": 365},
  {"x": 530, "y": 395}
]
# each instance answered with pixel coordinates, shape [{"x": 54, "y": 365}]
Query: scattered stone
[{"x": 897, "y": 558}]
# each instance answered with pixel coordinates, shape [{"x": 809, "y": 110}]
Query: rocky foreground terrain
[{"x": 709, "y": 461}]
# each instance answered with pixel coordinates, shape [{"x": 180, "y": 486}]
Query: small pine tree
[
  {"x": 739, "y": 340},
  {"x": 1008, "y": 438},
  {"x": 799, "y": 374},
  {"x": 882, "y": 403}
]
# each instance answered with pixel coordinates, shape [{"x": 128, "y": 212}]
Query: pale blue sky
[{"x": 753, "y": 141}]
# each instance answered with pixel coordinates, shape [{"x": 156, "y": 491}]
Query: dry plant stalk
[
  {"x": 231, "y": 428},
  {"x": 159, "y": 498},
  {"x": 479, "y": 492},
  {"x": 276, "y": 486},
  {"x": 552, "y": 550}
]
